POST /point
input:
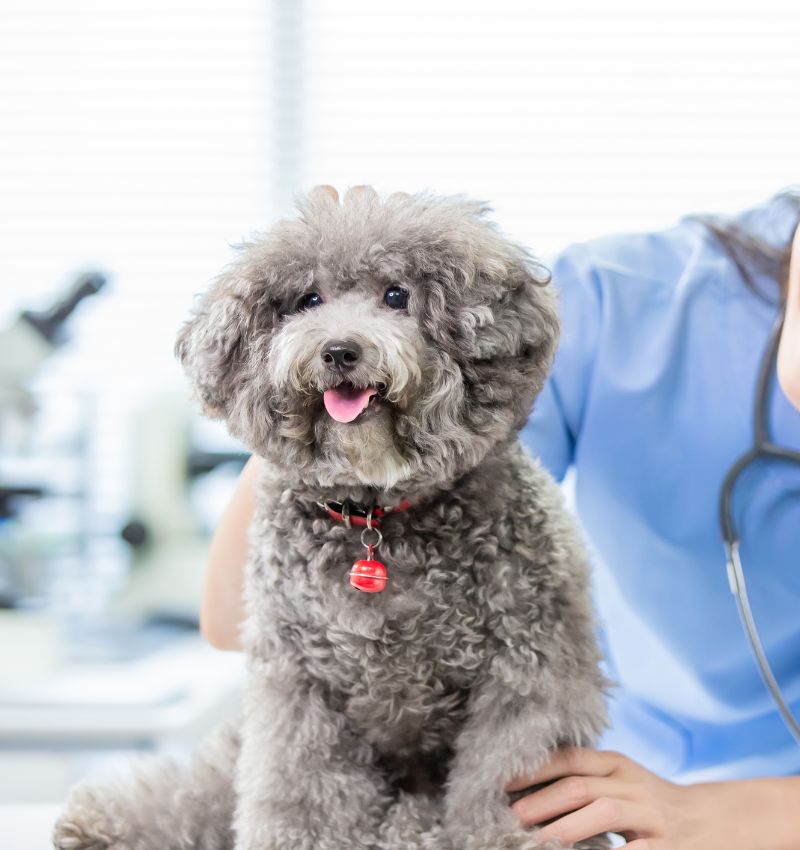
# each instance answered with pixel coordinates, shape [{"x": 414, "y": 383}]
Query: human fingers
[
  {"x": 565, "y": 796},
  {"x": 625, "y": 817},
  {"x": 323, "y": 190},
  {"x": 571, "y": 761},
  {"x": 359, "y": 193}
]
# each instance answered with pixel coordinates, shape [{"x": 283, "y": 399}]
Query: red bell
[{"x": 368, "y": 575}]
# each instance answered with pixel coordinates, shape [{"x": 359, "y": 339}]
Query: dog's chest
[
  {"x": 400, "y": 663},
  {"x": 401, "y": 687}
]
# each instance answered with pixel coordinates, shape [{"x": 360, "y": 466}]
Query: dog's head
[{"x": 377, "y": 342}]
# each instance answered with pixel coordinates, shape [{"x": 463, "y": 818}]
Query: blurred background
[{"x": 141, "y": 140}]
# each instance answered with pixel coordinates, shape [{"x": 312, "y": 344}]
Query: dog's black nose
[{"x": 341, "y": 356}]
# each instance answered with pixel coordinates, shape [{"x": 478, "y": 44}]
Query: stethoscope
[{"x": 763, "y": 448}]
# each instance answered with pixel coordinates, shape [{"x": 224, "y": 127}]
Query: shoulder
[
  {"x": 613, "y": 291},
  {"x": 648, "y": 262},
  {"x": 687, "y": 252},
  {"x": 634, "y": 307}
]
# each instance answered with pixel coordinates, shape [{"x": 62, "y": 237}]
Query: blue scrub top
[{"x": 651, "y": 401}]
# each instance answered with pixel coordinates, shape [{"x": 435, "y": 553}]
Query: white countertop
[
  {"x": 174, "y": 691},
  {"x": 69, "y": 721},
  {"x": 28, "y": 827}
]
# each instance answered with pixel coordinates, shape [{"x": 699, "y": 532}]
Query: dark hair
[{"x": 755, "y": 257}]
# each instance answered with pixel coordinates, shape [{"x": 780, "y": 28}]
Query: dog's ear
[
  {"x": 521, "y": 340},
  {"x": 495, "y": 305},
  {"x": 499, "y": 324},
  {"x": 527, "y": 316},
  {"x": 210, "y": 345},
  {"x": 486, "y": 297}
]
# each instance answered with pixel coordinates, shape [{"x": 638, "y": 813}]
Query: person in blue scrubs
[{"x": 649, "y": 403}]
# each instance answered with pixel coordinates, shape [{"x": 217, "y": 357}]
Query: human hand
[
  {"x": 594, "y": 792},
  {"x": 789, "y": 351}
]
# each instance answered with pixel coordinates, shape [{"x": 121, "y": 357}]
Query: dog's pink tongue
[{"x": 344, "y": 402}]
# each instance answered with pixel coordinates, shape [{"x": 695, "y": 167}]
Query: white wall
[
  {"x": 573, "y": 118},
  {"x": 136, "y": 136}
]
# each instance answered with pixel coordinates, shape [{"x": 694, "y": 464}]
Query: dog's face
[{"x": 377, "y": 342}]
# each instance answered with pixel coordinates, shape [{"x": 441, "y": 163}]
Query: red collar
[{"x": 351, "y": 513}]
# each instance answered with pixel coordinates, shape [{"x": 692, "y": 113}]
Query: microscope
[{"x": 25, "y": 346}]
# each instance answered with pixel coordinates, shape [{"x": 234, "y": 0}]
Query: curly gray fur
[{"x": 391, "y": 720}]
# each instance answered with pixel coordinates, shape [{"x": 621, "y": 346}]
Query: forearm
[
  {"x": 766, "y": 812},
  {"x": 222, "y": 611}
]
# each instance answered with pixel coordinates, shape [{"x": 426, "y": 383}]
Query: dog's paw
[{"x": 73, "y": 832}]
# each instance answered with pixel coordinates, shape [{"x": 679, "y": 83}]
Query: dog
[{"x": 419, "y": 629}]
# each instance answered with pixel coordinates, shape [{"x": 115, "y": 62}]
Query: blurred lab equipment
[
  {"x": 99, "y": 647},
  {"x": 26, "y": 345},
  {"x": 24, "y": 348}
]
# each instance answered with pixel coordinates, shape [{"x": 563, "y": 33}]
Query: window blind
[
  {"x": 572, "y": 119},
  {"x": 136, "y": 138}
]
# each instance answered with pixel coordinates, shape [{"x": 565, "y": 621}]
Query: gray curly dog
[{"x": 381, "y": 354}]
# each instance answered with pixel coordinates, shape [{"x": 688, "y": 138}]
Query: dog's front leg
[
  {"x": 511, "y": 731},
  {"x": 305, "y": 779}
]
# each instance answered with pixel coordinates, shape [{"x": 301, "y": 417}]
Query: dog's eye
[
  {"x": 396, "y": 297},
  {"x": 309, "y": 300}
]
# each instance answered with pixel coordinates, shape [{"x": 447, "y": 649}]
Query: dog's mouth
[{"x": 346, "y": 403}]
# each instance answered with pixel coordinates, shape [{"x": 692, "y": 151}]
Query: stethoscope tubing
[{"x": 763, "y": 448}]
